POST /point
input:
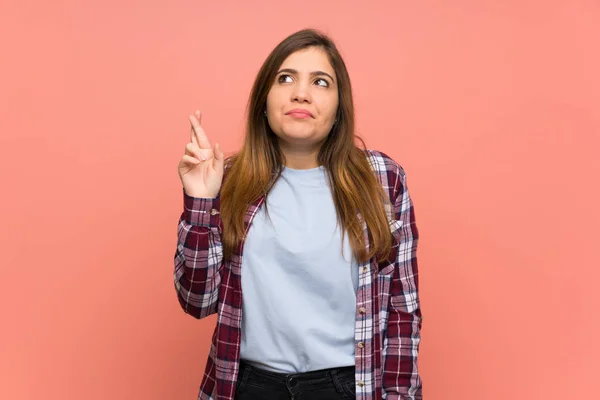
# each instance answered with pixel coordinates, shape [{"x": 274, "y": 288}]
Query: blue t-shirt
[{"x": 298, "y": 286}]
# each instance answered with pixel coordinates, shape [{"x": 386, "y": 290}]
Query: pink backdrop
[{"x": 492, "y": 107}]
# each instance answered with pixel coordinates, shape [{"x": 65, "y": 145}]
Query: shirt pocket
[
  {"x": 384, "y": 281},
  {"x": 385, "y": 275}
]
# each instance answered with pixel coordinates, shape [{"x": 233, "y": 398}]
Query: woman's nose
[{"x": 301, "y": 93}]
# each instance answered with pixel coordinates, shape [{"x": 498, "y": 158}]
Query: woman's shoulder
[
  {"x": 383, "y": 164},
  {"x": 389, "y": 173}
]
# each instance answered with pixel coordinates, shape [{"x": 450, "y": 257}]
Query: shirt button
[
  {"x": 365, "y": 269},
  {"x": 360, "y": 345},
  {"x": 362, "y": 310},
  {"x": 360, "y": 383},
  {"x": 213, "y": 212}
]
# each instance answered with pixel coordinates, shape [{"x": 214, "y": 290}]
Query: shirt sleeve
[
  {"x": 401, "y": 379},
  {"x": 199, "y": 256}
]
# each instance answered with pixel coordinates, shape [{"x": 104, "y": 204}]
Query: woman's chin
[
  {"x": 298, "y": 135},
  {"x": 297, "y": 131}
]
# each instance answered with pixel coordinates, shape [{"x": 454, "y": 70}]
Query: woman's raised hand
[{"x": 201, "y": 167}]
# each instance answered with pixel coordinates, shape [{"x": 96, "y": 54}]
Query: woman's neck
[{"x": 300, "y": 158}]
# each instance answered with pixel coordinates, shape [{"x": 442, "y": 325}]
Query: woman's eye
[
  {"x": 323, "y": 82},
  {"x": 284, "y": 78}
]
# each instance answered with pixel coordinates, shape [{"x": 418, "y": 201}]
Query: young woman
[{"x": 303, "y": 243}]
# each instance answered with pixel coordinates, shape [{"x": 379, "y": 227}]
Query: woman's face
[{"x": 303, "y": 101}]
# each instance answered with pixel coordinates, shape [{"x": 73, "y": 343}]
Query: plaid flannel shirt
[{"x": 388, "y": 314}]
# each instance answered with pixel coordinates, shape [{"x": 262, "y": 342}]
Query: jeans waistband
[{"x": 283, "y": 378}]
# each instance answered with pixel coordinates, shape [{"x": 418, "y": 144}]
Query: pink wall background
[{"x": 493, "y": 108}]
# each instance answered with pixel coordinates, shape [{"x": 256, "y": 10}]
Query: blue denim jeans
[{"x": 328, "y": 384}]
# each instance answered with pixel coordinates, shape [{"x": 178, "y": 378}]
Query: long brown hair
[{"x": 254, "y": 169}]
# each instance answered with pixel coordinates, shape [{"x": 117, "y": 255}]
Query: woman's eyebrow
[{"x": 314, "y": 73}]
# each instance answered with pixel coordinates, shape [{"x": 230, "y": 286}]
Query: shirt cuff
[{"x": 201, "y": 211}]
